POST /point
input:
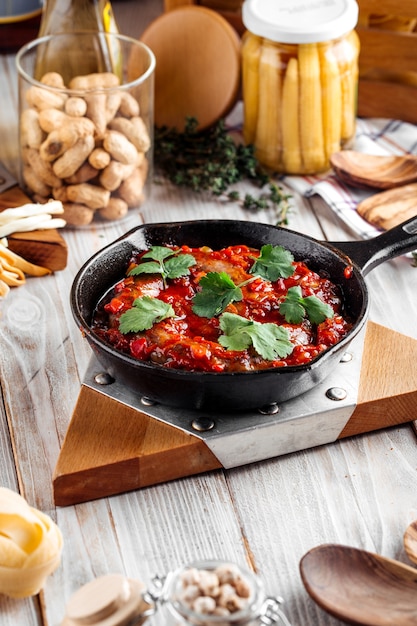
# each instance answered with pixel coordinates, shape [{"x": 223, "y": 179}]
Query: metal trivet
[{"x": 314, "y": 418}]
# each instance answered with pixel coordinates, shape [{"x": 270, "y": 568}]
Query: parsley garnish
[
  {"x": 218, "y": 290},
  {"x": 169, "y": 263},
  {"x": 145, "y": 312},
  {"x": 274, "y": 262},
  {"x": 269, "y": 340},
  {"x": 294, "y": 308}
]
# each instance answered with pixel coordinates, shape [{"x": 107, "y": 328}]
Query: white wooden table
[{"x": 360, "y": 491}]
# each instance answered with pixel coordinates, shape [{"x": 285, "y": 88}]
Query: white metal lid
[{"x": 300, "y": 21}]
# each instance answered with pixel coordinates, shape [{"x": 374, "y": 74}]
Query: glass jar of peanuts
[
  {"x": 86, "y": 123},
  {"x": 299, "y": 81},
  {"x": 217, "y": 593}
]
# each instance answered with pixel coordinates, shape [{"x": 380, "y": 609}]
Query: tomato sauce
[{"x": 190, "y": 342}]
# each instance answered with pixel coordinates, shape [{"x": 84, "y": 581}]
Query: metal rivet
[
  {"x": 336, "y": 393},
  {"x": 104, "y": 378},
  {"x": 347, "y": 357},
  {"x": 202, "y": 424},
  {"x": 269, "y": 409},
  {"x": 147, "y": 401}
]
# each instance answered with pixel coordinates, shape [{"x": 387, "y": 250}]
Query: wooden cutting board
[{"x": 42, "y": 247}]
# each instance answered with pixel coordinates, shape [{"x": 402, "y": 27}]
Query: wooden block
[
  {"x": 42, "y": 247},
  {"x": 407, "y": 8},
  {"x": 387, "y": 100},
  {"x": 111, "y": 448},
  {"x": 388, "y": 385}
]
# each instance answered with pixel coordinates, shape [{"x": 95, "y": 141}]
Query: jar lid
[{"x": 298, "y": 21}]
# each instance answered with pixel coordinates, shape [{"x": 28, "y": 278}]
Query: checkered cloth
[{"x": 373, "y": 136}]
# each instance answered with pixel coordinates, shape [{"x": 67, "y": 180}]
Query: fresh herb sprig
[
  {"x": 294, "y": 308},
  {"x": 273, "y": 262},
  {"x": 145, "y": 312},
  {"x": 269, "y": 340},
  {"x": 218, "y": 289},
  {"x": 169, "y": 263},
  {"x": 211, "y": 161}
]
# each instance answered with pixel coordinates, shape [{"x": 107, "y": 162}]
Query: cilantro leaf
[
  {"x": 177, "y": 264},
  {"x": 274, "y": 262},
  {"x": 317, "y": 310},
  {"x": 145, "y": 268},
  {"x": 269, "y": 340},
  {"x": 218, "y": 290},
  {"x": 294, "y": 308},
  {"x": 145, "y": 312},
  {"x": 158, "y": 253}
]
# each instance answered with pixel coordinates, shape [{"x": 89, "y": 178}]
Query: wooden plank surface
[{"x": 360, "y": 491}]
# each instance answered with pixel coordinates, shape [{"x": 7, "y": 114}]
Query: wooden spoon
[
  {"x": 360, "y": 587},
  {"x": 368, "y": 170},
  {"x": 410, "y": 541}
]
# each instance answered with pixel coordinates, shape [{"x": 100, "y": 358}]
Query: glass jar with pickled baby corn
[{"x": 299, "y": 81}]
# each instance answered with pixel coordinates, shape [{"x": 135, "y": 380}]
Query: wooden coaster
[{"x": 197, "y": 66}]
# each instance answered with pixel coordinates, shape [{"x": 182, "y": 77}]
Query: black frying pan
[{"x": 233, "y": 390}]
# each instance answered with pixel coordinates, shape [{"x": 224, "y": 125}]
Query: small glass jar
[
  {"x": 299, "y": 81},
  {"x": 217, "y": 593},
  {"x": 86, "y": 123}
]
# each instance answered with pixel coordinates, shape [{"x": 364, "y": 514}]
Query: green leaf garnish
[
  {"x": 274, "y": 262},
  {"x": 145, "y": 312},
  {"x": 218, "y": 290},
  {"x": 169, "y": 263},
  {"x": 294, "y": 308},
  {"x": 269, "y": 340}
]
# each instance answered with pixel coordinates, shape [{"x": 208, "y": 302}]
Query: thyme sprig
[{"x": 210, "y": 161}]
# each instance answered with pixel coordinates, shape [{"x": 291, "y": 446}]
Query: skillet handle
[{"x": 390, "y": 244}]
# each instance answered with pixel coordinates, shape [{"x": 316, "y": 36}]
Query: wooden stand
[{"x": 111, "y": 448}]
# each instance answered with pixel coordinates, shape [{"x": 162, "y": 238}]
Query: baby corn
[
  {"x": 348, "y": 78},
  {"x": 268, "y": 130},
  {"x": 311, "y": 121},
  {"x": 251, "y": 50},
  {"x": 331, "y": 99},
  {"x": 291, "y": 153}
]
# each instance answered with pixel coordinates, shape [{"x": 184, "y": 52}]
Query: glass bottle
[
  {"x": 299, "y": 81},
  {"x": 65, "y": 16},
  {"x": 71, "y": 16}
]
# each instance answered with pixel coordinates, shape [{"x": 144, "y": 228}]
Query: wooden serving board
[
  {"x": 111, "y": 448},
  {"x": 42, "y": 247}
]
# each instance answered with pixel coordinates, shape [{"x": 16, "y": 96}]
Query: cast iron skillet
[{"x": 234, "y": 390}]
